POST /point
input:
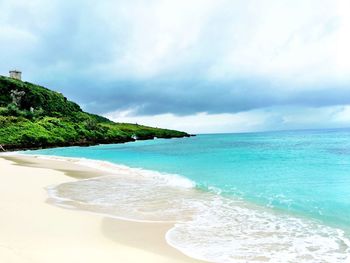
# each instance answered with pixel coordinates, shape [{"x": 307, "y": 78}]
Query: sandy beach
[{"x": 33, "y": 230}]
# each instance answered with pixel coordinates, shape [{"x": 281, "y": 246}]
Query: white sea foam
[
  {"x": 119, "y": 169},
  {"x": 229, "y": 231},
  {"x": 9, "y": 153},
  {"x": 207, "y": 226}
]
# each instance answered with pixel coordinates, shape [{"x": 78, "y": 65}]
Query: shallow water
[{"x": 234, "y": 197}]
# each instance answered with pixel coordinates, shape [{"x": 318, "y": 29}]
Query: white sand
[{"x": 32, "y": 230}]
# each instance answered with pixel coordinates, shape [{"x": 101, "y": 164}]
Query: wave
[
  {"x": 166, "y": 178},
  {"x": 207, "y": 225},
  {"x": 232, "y": 231}
]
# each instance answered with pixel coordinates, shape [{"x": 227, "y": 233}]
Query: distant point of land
[{"x": 32, "y": 116}]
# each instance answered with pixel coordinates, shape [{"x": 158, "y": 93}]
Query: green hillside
[{"x": 32, "y": 116}]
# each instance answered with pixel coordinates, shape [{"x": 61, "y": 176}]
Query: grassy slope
[{"x": 44, "y": 118}]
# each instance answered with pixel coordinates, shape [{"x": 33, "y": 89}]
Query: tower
[{"x": 16, "y": 74}]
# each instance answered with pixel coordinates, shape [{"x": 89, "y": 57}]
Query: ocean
[{"x": 247, "y": 197}]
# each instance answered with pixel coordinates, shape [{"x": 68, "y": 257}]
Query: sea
[{"x": 246, "y": 197}]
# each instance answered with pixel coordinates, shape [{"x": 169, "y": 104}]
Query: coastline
[
  {"x": 33, "y": 230},
  {"x": 12, "y": 148},
  {"x": 165, "y": 215}
]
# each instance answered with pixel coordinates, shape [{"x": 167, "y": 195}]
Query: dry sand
[{"x": 32, "y": 230}]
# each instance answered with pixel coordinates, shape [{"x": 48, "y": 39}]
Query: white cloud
[
  {"x": 275, "y": 118},
  {"x": 342, "y": 115},
  {"x": 284, "y": 41},
  {"x": 185, "y": 57},
  {"x": 342, "y": 50},
  {"x": 291, "y": 41},
  {"x": 198, "y": 123}
]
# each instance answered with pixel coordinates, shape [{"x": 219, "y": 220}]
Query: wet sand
[{"x": 34, "y": 230}]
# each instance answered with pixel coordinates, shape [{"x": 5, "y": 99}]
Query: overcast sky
[{"x": 194, "y": 65}]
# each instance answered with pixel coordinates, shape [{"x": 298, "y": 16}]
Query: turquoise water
[{"x": 301, "y": 174}]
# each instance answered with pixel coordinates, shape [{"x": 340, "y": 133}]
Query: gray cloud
[
  {"x": 185, "y": 98},
  {"x": 182, "y": 58}
]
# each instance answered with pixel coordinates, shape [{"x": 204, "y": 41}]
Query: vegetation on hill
[{"x": 32, "y": 116}]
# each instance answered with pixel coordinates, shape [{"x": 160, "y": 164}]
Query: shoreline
[
  {"x": 11, "y": 148},
  {"x": 177, "y": 239},
  {"x": 33, "y": 230}
]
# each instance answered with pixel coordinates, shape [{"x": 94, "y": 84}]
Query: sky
[{"x": 203, "y": 66}]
